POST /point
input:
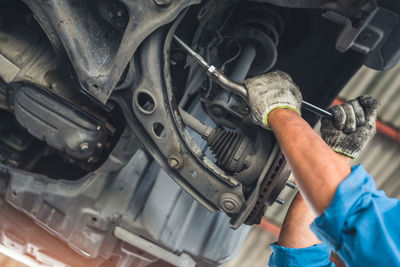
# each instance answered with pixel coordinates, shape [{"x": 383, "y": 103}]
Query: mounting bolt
[
  {"x": 291, "y": 185},
  {"x": 175, "y": 161},
  {"x": 162, "y": 2},
  {"x": 99, "y": 145},
  {"x": 230, "y": 203},
  {"x": 84, "y": 147},
  {"x": 280, "y": 201}
]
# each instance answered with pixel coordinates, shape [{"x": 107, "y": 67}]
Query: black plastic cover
[{"x": 60, "y": 124}]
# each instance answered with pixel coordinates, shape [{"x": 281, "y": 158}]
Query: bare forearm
[
  {"x": 317, "y": 168},
  {"x": 296, "y": 232}
]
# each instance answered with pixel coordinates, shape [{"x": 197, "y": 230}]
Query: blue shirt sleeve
[
  {"x": 314, "y": 256},
  {"x": 361, "y": 223}
]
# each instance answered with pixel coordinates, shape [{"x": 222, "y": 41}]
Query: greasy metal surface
[
  {"x": 63, "y": 126},
  {"x": 139, "y": 197},
  {"x": 47, "y": 200},
  {"x": 8, "y": 70},
  {"x": 53, "y": 203},
  {"x": 22, "y": 236},
  {"x": 235, "y": 87},
  {"x": 182, "y": 260},
  {"x": 100, "y": 59},
  {"x": 151, "y": 118},
  {"x": 199, "y": 180},
  {"x": 31, "y": 57},
  {"x": 252, "y": 200},
  {"x": 36, "y": 62},
  {"x": 270, "y": 188}
]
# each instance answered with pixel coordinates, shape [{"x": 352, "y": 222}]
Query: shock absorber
[{"x": 253, "y": 40}]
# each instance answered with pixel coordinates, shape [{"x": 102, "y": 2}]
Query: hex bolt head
[
  {"x": 230, "y": 203},
  {"x": 280, "y": 201},
  {"x": 291, "y": 185},
  {"x": 175, "y": 161},
  {"x": 162, "y": 2},
  {"x": 99, "y": 145},
  {"x": 84, "y": 147}
]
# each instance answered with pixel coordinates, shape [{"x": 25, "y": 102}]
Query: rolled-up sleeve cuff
[
  {"x": 351, "y": 193},
  {"x": 316, "y": 255}
]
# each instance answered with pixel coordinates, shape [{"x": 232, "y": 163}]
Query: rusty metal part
[
  {"x": 269, "y": 189},
  {"x": 176, "y": 161},
  {"x": 200, "y": 176}
]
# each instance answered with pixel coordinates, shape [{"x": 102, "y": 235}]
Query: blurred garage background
[{"x": 381, "y": 158}]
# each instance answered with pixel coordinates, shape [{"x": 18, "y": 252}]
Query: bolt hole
[
  {"x": 146, "y": 102},
  {"x": 94, "y": 219},
  {"x": 194, "y": 173},
  {"x": 14, "y": 193},
  {"x": 95, "y": 86},
  {"x": 159, "y": 130}
]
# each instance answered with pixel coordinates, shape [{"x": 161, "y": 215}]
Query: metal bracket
[
  {"x": 100, "y": 60},
  {"x": 367, "y": 36}
]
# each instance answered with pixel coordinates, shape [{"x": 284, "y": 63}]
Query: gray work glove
[
  {"x": 353, "y": 125},
  {"x": 270, "y": 91}
]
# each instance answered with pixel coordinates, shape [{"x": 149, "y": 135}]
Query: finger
[
  {"x": 296, "y": 93},
  {"x": 327, "y": 127},
  {"x": 339, "y": 117},
  {"x": 350, "y": 125},
  {"x": 369, "y": 104},
  {"x": 359, "y": 112}
]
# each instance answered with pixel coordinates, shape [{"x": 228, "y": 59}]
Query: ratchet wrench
[{"x": 239, "y": 89}]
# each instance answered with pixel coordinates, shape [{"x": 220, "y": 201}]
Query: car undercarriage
[{"x": 116, "y": 148}]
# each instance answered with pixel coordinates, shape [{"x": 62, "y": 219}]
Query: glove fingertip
[
  {"x": 376, "y": 103},
  {"x": 368, "y": 102},
  {"x": 339, "y": 117}
]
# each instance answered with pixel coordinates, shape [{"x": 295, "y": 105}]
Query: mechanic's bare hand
[
  {"x": 270, "y": 91},
  {"x": 352, "y": 127}
]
